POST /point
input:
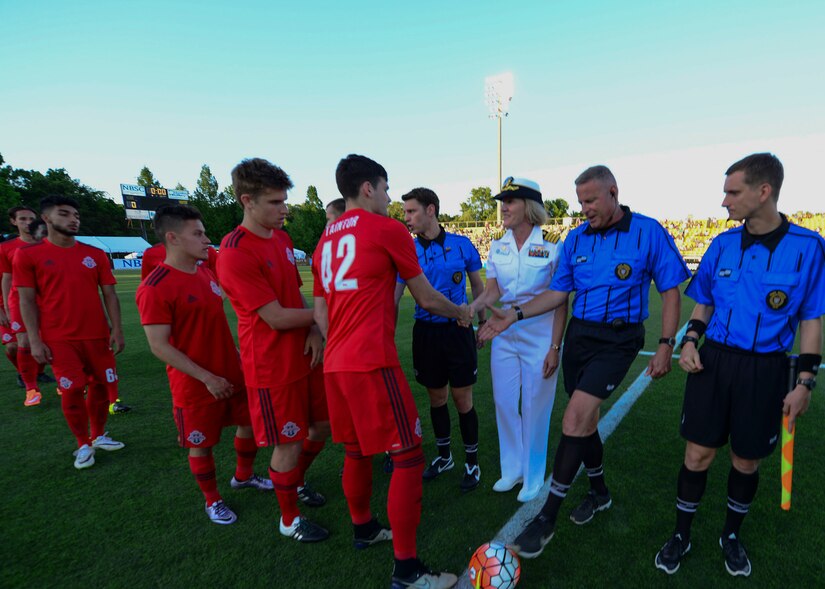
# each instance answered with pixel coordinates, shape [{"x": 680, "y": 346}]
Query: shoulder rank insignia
[
  {"x": 499, "y": 233},
  {"x": 551, "y": 236}
]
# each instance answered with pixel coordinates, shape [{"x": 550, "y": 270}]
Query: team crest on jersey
[
  {"x": 64, "y": 383},
  {"x": 89, "y": 262},
  {"x": 777, "y": 299},
  {"x": 538, "y": 251},
  {"x": 290, "y": 256},
  {"x": 196, "y": 437},
  {"x": 215, "y": 288},
  {"x": 290, "y": 429},
  {"x": 15, "y": 326},
  {"x": 623, "y": 271},
  {"x": 6, "y": 337},
  {"x": 457, "y": 277},
  {"x": 418, "y": 431}
]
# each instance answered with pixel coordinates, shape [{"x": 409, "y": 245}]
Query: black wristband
[
  {"x": 697, "y": 325},
  {"x": 688, "y": 338},
  {"x": 809, "y": 362},
  {"x": 519, "y": 313}
]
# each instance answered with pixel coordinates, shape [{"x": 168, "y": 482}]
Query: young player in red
[
  {"x": 14, "y": 334},
  {"x": 372, "y": 410},
  {"x": 152, "y": 256},
  {"x": 280, "y": 348},
  {"x": 58, "y": 281},
  {"x": 181, "y": 309}
]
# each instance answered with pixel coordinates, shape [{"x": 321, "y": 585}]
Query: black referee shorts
[
  {"x": 597, "y": 356},
  {"x": 738, "y": 395},
  {"x": 444, "y": 353}
]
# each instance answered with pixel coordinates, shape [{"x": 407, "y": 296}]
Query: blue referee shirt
[
  {"x": 761, "y": 287},
  {"x": 445, "y": 261},
  {"x": 611, "y": 270}
]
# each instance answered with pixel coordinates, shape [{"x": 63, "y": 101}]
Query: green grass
[{"x": 136, "y": 518}]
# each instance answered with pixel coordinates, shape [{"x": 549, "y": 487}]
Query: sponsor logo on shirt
[
  {"x": 290, "y": 429},
  {"x": 777, "y": 299},
  {"x": 64, "y": 383},
  {"x": 581, "y": 259},
  {"x": 538, "y": 251},
  {"x": 623, "y": 271},
  {"x": 196, "y": 437},
  {"x": 88, "y": 262},
  {"x": 215, "y": 288}
]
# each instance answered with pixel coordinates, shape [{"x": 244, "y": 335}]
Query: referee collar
[
  {"x": 439, "y": 239},
  {"x": 622, "y": 224},
  {"x": 769, "y": 240}
]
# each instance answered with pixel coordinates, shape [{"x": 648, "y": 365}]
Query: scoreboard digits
[{"x": 141, "y": 202}]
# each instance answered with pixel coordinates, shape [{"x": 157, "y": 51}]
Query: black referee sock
[
  {"x": 441, "y": 428},
  {"x": 469, "y": 435},
  {"x": 741, "y": 491},
  {"x": 690, "y": 487},
  {"x": 594, "y": 463},
  {"x": 565, "y": 466}
]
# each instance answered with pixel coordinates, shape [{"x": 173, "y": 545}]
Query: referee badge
[
  {"x": 623, "y": 271},
  {"x": 777, "y": 299},
  {"x": 457, "y": 277}
]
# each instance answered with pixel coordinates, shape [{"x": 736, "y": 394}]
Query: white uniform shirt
[{"x": 521, "y": 275}]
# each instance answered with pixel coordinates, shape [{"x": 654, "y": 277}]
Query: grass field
[{"x": 136, "y": 518}]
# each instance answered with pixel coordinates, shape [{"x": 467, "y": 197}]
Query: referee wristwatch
[
  {"x": 809, "y": 383},
  {"x": 671, "y": 341}
]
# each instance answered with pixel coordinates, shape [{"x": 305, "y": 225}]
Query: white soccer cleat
[
  {"x": 253, "y": 482},
  {"x": 84, "y": 457},
  {"x": 219, "y": 513},
  {"x": 104, "y": 442}
]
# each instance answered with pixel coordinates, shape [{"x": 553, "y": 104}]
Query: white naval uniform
[{"x": 517, "y": 358}]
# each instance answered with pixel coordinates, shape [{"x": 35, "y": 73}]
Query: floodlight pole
[
  {"x": 500, "y": 179},
  {"x": 499, "y": 91}
]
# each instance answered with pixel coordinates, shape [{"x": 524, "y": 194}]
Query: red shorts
[
  {"x": 375, "y": 408},
  {"x": 200, "y": 427},
  {"x": 283, "y": 415},
  {"x": 7, "y": 335},
  {"x": 77, "y": 363}
]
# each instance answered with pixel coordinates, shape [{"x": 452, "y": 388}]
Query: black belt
[{"x": 616, "y": 325}]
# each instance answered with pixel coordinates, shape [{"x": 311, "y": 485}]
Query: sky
[{"x": 668, "y": 94}]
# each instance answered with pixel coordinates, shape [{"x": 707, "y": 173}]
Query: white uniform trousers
[{"x": 516, "y": 360}]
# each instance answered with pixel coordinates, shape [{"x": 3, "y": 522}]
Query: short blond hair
[{"x": 534, "y": 213}]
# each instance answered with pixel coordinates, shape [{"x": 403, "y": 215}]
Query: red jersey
[
  {"x": 254, "y": 272},
  {"x": 355, "y": 266},
  {"x": 154, "y": 255},
  {"x": 7, "y": 250},
  {"x": 66, "y": 281},
  {"x": 193, "y": 306}
]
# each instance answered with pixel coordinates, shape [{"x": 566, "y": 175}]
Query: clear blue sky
[{"x": 666, "y": 93}]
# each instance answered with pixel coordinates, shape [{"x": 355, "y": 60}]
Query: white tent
[{"x": 115, "y": 245}]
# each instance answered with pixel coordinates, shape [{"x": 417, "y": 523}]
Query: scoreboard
[{"x": 141, "y": 202}]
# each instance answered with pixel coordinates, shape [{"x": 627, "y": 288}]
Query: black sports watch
[
  {"x": 689, "y": 338},
  {"x": 671, "y": 341},
  {"x": 810, "y": 383}
]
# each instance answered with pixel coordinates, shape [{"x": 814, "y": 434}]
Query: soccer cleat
[
  {"x": 303, "y": 530},
  {"x": 33, "y": 397},
  {"x": 119, "y": 407},
  {"x": 531, "y": 542},
  {"x": 84, "y": 457},
  {"x": 503, "y": 485},
  {"x": 670, "y": 555},
  {"x": 104, "y": 442},
  {"x": 219, "y": 513},
  {"x": 310, "y": 497},
  {"x": 253, "y": 482},
  {"x": 424, "y": 578},
  {"x": 736, "y": 558},
  {"x": 438, "y": 466},
  {"x": 371, "y": 533},
  {"x": 472, "y": 474},
  {"x": 590, "y": 506},
  {"x": 45, "y": 378},
  {"x": 20, "y": 382}
]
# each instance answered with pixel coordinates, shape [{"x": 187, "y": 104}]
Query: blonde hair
[{"x": 534, "y": 213}]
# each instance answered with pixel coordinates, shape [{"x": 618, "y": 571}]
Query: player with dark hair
[
  {"x": 181, "y": 309},
  {"x": 58, "y": 281},
  {"x": 609, "y": 262},
  {"x": 755, "y": 285},
  {"x": 154, "y": 255},
  {"x": 371, "y": 406},
  {"x": 335, "y": 209},
  {"x": 444, "y": 353},
  {"x": 281, "y": 349}
]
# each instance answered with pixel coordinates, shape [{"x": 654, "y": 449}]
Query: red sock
[
  {"x": 286, "y": 489},
  {"x": 245, "y": 449},
  {"x": 203, "y": 467},
  {"x": 97, "y": 405},
  {"x": 28, "y": 367},
  {"x": 74, "y": 410},
  {"x": 404, "y": 500},
  {"x": 11, "y": 354},
  {"x": 309, "y": 450},
  {"x": 357, "y": 483}
]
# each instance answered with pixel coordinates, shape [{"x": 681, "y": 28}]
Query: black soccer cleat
[
  {"x": 590, "y": 506},
  {"x": 310, "y": 497},
  {"x": 303, "y": 530},
  {"x": 119, "y": 407},
  {"x": 531, "y": 542},
  {"x": 424, "y": 578},
  {"x": 737, "y": 562},
  {"x": 670, "y": 555},
  {"x": 370, "y": 533},
  {"x": 472, "y": 475},
  {"x": 437, "y": 466}
]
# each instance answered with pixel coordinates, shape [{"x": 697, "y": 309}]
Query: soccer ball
[{"x": 494, "y": 566}]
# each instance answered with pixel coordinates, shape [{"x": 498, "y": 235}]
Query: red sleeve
[
  {"x": 317, "y": 287},
  {"x": 23, "y": 273},
  {"x": 153, "y": 308},
  {"x": 212, "y": 260},
  {"x": 104, "y": 269},
  {"x": 148, "y": 262},
  {"x": 5, "y": 262},
  {"x": 241, "y": 278},
  {"x": 400, "y": 247}
]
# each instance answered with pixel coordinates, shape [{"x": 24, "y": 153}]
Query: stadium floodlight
[{"x": 498, "y": 92}]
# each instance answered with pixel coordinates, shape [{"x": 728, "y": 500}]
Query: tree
[
  {"x": 557, "y": 208},
  {"x": 396, "y": 211},
  {"x": 180, "y": 186},
  {"x": 306, "y": 222},
  {"x": 480, "y": 206},
  {"x": 147, "y": 178},
  {"x": 220, "y": 211}
]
